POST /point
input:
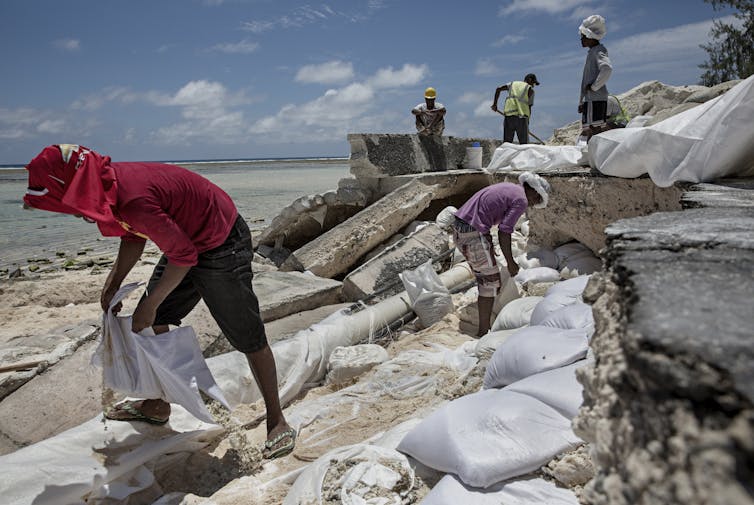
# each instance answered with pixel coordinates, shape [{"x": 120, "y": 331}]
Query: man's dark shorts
[
  {"x": 222, "y": 278},
  {"x": 594, "y": 113}
]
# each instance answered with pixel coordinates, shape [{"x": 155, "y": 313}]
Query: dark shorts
[
  {"x": 594, "y": 113},
  {"x": 222, "y": 278}
]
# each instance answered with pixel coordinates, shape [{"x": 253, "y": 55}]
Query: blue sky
[{"x": 213, "y": 79}]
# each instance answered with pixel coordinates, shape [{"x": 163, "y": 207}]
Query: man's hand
[
  {"x": 512, "y": 268},
  {"x": 581, "y": 108},
  {"x": 494, "y": 107},
  {"x": 108, "y": 292},
  {"x": 144, "y": 315}
]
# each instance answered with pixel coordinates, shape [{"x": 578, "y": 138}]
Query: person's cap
[
  {"x": 593, "y": 27},
  {"x": 430, "y": 93},
  {"x": 539, "y": 185},
  {"x": 532, "y": 77}
]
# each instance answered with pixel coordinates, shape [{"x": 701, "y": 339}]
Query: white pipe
[{"x": 302, "y": 359}]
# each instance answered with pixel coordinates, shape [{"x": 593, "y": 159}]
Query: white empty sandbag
[
  {"x": 516, "y": 313},
  {"x": 550, "y": 304},
  {"x": 557, "y": 388},
  {"x": 533, "y": 350},
  {"x": 577, "y": 315},
  {"x": 491, "y": 341},
  {"x": 430, "y": 299},
  {"x": 537, "y": 274},
  {"x": 533, "y": 491},
  {"x": 346, "y": 363},
  {"x": 490, "y": 436},
  {"x": 353, "y": 474}
]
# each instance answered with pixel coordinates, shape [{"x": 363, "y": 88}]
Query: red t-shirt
[{"x": 180, "y": 211}]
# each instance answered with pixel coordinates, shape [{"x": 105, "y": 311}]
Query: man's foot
[
  {"x": 149, "y": 411},
  {"x": 280, "y": 442}
]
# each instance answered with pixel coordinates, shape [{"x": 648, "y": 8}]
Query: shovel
[{"x": 530, "y": 133}]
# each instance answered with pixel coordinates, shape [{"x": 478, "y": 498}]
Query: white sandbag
[
  {"x": 532, "y": 491},
  {"x": 354, "y": 475},
  {"x": 708, "y": 142},
  {"x": 346, "y": 363},
  {"x": 430, "y": 299},
  {"x": 535, "y": 157},
  {"x": 487, "y": 345},
  {"x": 550, "y": 304},
  {"x": 446, "y": 218},
  {"x": 533, "y": 350},
  {"x": 489, "y": 436},
  {"x": 169, "y": 366},
  {"x": 557, "y": 388},
  {"x": 516, "y": 314},
  {"x": 570, "y": 317},
  {"x": 584, "y": 263},
  {"x": 537, "y": 274},
  {"x": 571, "y": 287}
]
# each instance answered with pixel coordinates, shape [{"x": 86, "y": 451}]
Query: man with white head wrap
[
  {"x": 497, "y": 205},
  {"x": 597, "y": 70}
]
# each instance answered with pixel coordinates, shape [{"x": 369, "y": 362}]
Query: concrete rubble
[
  {"x": 382, "y": 271},
  {"x": 333, "y": 252}
]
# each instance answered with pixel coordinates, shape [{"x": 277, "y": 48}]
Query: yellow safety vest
[{"x": 517, "y": 103}]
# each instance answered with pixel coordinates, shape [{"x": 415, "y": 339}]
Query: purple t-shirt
[{"x": 500, "y": 204}]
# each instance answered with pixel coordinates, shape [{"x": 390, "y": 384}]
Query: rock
[
  {"x": 284, "y": 293},
  {"x": 706, "y": 94},
  {"x": 336, "y": 250},
  {"x": 16, "y": 274},
  {"x": 667, "y": 113}
]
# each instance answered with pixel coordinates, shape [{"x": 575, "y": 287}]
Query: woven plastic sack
[{"x": 430, "y": 299}]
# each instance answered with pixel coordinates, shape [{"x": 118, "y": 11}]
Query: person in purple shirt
[{"x": 497, "y": 205}]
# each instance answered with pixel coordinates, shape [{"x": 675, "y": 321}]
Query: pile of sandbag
[{"x": 522, "y": 418}]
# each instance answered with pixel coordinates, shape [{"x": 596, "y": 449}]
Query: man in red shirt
[{"x": 207, "y": 255}]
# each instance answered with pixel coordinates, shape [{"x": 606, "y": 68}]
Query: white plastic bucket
[{"x": 473, "y": 157}]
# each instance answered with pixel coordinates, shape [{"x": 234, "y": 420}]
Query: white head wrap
[
  {"x": 593, "y": 27},
  {"x": 446, "y": 217},
  {"x": 537, "y": 183}
]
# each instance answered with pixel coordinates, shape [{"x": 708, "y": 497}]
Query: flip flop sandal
[
  {"x": 134, "y": 414},
  {"x": 284, "y": 449}
]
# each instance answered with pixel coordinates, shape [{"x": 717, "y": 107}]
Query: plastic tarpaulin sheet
[
  {"x": 97, "y": 460},
  {"x": 708, "y": 142},
  {"x": 535, "y": 491},
  {"x": 535, "y": 157}
]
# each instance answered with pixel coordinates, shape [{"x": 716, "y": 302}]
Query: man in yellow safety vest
[{"x": 517, "y": 107}]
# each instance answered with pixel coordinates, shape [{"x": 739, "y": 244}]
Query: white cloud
[
  {"x": 67, "y": 44},
  {"x": 408, "y": 75},
  {"x": 485, "y": 66},
  {"x": 331, "y": 116},
  {"x": 473, "y": 97},
  {"x": 97, "y": 100},
  {"x": 331, "y": 72},
  {"x": 307, "y": 14},
  {"x": 206, "y": 116},
  {"x": 242, "y": 47},
  {"x": 548, "y": 6},
  {"x": 508, "y": 40}
]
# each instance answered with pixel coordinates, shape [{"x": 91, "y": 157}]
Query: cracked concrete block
[
  {"x": 341, "y": 247},
  {"x": 408, "y": 253},
  {"x": 284, "y": 293}
]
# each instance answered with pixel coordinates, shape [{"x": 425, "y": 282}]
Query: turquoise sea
[{"x": 260, "y": 189}]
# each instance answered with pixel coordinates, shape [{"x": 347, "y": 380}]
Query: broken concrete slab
[
  {"x": 338, "y": 249},
  {"x": 382, "y": 271},
  {"x": 43, "y": 350},
  {"x": 384, "y": 154},
  {"x": 672, "y": 386},
  {"x": 723, "y": 193},
  {"x": 284, "y": 293}
]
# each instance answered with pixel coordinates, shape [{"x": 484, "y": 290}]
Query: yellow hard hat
[{"x": 430, "y": 93}]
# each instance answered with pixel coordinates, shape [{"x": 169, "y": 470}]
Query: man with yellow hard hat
[{"x": 430, "y": 116}]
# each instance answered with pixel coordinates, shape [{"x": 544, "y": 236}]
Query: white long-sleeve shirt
[{"x": 597, "y": 70}]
